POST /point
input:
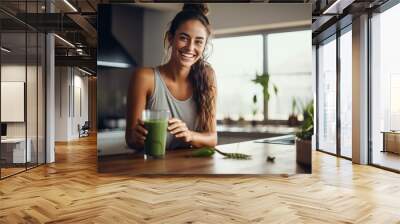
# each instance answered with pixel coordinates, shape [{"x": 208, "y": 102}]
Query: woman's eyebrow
[{"x": 187, "y": 35}]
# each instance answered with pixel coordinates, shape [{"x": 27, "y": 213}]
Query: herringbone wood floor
[{"x": 71, "y": 191}]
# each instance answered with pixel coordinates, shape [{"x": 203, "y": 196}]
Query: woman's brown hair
[{"x": 201, "y": 75}]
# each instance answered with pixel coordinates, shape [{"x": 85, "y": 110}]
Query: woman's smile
[
  {"x": 187, "y": 55},
  {"x": 188, "y": 42}
]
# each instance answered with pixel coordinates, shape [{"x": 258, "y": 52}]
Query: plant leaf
[
  {"x": 234, "y": 155},
  {"x": 275, "y": 89}
]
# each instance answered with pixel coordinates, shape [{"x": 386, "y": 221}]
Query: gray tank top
[{"x": 185, "y": 110}]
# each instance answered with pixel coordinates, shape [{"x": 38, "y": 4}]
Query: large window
[
  {"x": 284, "y": 56},
  {"x": 346, "y": 93},
  {"x": 236, "y": 60},
  {"x": 289, "y": 58},
  {"x": 333, "y": 53},
  {"x": 385, "y": 84},
  {"x": 327, "y": 96}
]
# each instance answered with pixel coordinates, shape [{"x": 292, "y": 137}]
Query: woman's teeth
[{"x": 187, "y": 55}]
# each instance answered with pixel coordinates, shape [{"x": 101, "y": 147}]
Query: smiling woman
[{"x": 184, "y": 86}]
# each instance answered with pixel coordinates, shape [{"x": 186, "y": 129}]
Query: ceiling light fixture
[
  {"x": 64, "y": 40},
  {"x": 337, "y": 7},
  {"x": 70, "y": 5},
  {"x": 113, "y": 64},
  {"x": 84, "y": 71},
  {"x": 5, "y": 50}
]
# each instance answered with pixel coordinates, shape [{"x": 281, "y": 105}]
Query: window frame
[
  {"x": 28, "y": 29},
  {"x": 378, "y": 10},
  {"x": 332, "y": 37},
  {"x": 264, "y": 34}
]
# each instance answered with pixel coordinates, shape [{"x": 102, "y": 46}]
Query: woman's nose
[{"x": 191, "y": 45}]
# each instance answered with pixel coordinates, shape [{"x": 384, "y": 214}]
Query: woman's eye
[
  {"x": 199, "y": 42},
  {"x": 184, "y": 38}
]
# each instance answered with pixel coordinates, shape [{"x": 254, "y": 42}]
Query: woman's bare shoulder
[
  {"x": 144, "y": 73},
  {"x": 143, "y": 79},
  {"x": 143, "y": 76}
]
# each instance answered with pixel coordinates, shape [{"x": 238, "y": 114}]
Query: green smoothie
[{"x": 154, "y": 145}]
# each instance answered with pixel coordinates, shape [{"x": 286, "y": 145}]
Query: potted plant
[
  {"x": 227, "y": 120},
  {"x": 263, "y": 80},
  {"x": 254, "y": 111},
  {"x": 293, "y": 120},
  {"x": 241, "y": 120},
  {"x": 303, "y": 136}
]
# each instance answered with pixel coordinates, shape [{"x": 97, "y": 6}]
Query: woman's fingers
[
  {"x": 141, "y": 123},
  {"x": 140, "y": 129},
  {"x": 140, "y": 132},
  {"x": 139, "y": 138},
  {"x": 173, "y": 120},
  {"x": 180, "y": 135},
  {"x": 186, "y": 136},
  {"x": 140, "y": 135},
  {"x": 139, "y": 141},
  {"x": 179, "y": 129},
  {"x": 175, "y": 124}
]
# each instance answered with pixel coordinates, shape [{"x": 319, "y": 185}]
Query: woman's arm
[
  {"x": 199, "y": 139},
  {"x": 179, "y": 129},
  {"x": 204, "y": 139},
  {"x": 140, "y": 87}
]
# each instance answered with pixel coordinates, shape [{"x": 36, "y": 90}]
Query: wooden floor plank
[{"x": 71, "y": 191}]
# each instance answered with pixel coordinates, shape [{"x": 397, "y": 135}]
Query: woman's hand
[
  {"x": 139, "y": 134},
  {"x": 179, "y": 129}
]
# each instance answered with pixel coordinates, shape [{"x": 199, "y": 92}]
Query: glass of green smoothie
[{"x": 156, "y": 123}]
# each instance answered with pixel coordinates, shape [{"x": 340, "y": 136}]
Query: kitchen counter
[
  {"x": 239, "y": 133},
  {"x": 275, "y": 129},
  {"x": 178, "y": 162}
]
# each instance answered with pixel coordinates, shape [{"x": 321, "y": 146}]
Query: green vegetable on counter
[
  {"x": 203, "y": 152},
  {"x": 208, "y": 152},
  {"x": 234, "y": 155}
]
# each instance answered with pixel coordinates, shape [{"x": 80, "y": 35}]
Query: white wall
[
  {"x": 15, "y": 72},
  {"x": 61, "y": 103},
  {"x": 251, "y": 17},
  {"x": 33, "y": 126},
  {"x": 154, "y": 27},
  {"x": 80, "y": 83},
  {"x": 225, "y": 19},
  {"x": 68, "y": 82}
]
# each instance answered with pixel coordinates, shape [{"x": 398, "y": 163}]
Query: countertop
[{"x": 178, "y": 162}]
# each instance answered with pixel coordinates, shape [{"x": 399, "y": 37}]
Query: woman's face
[{"x": 188, "y": 43}]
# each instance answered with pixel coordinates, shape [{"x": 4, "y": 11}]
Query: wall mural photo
[{"x": 202, "y": 88}]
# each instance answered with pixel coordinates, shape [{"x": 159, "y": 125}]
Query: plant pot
[
  {"x": 253, "y": 123},
  {"x": 241, "y": 121},
  {"x": 303, "y": 152},
  {"x": 227, "y": 121},
  {"x": 293, "y": 121}
]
